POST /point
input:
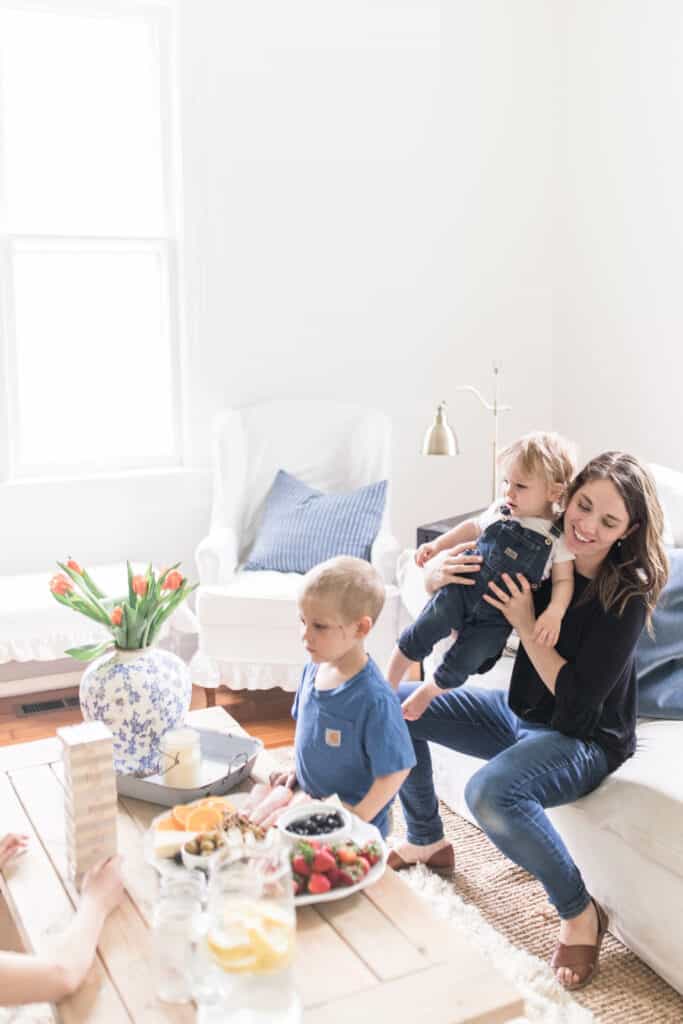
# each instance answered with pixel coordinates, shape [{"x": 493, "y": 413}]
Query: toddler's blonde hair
[
  {"x": 544, "y": 454},
  {"x": 354, "y": 585}
]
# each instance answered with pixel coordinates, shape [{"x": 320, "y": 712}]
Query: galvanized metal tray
[{"x": 226, "y": 760}]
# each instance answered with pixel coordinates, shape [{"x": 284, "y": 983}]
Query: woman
[{"x": 569, "y": 718}]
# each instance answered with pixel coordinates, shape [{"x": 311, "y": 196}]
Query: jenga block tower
[{"x": 90, "y": 795}]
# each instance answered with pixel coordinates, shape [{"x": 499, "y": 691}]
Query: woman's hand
[
  {"x": 516, "y": 604},
  {"x": 454, "y": 568}
]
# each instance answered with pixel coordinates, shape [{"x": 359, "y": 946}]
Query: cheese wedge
[{"x": 167, "y": 844}]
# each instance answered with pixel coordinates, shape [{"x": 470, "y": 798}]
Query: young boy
[
  {"x": 517, "y": 536},
  {"x": 350, "y": 735}
]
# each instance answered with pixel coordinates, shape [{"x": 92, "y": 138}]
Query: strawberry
[
  {"x": 324, "y": 860},
  {"x": 334, "y": 876},
  {"x": 318, "y": 884},
  {"x": 300, "y": 865},
  {"x": 363, "y": 864},
  {"x": 350, "y": 874},
  {"x": 346, "y": 854},
  {"x": 299, "y": 884},
  {"x": 372, "y": 853},
  {"x": 303, "y": 857}
]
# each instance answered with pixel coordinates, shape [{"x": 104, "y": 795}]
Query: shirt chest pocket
[{"x": 337, "y": 739}]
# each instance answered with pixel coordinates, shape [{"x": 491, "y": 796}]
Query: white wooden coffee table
[{"x": 378, "y": 955}]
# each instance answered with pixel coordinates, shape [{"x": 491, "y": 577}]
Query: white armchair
[{"x": 248, "y": 620}]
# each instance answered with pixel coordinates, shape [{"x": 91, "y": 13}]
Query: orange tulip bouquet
[{"x": 134, "y": 620}]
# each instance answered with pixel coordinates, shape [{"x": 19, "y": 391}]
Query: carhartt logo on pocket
[
  {"x": 510, "y": 553},
  {"x": 333, "y": 737}
]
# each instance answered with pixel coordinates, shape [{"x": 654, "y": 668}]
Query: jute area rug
[{"x": 506, "y": 912}]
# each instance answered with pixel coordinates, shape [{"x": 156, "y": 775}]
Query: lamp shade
[{"x": 440, "y": 439}]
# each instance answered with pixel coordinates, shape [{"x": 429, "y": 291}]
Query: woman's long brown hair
[{"x": 636, "y": 566}]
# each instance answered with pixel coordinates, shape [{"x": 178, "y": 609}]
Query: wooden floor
[{"x": 263, "y": 713}]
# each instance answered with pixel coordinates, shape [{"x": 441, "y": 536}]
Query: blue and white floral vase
[{"x": 139, "y": 695}]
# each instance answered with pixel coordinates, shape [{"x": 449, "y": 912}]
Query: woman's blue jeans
[{"x": 529, "y": 767}]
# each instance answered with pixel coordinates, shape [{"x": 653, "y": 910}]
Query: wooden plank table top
[{"x": 380, "y": 954}]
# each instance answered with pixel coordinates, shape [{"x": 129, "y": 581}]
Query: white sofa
[{"x": 626, "y": 836}]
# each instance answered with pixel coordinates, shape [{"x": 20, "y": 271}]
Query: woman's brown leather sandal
[
  {"x": 581, "y": 960},
  {"x": 442, "y": 861}
]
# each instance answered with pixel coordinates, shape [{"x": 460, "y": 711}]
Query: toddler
[
  {"x": 515, "y": 536},
  {"x": 350, "y": 735}
]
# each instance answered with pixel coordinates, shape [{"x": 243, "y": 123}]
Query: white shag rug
[{"x": 546, "y": 1002}]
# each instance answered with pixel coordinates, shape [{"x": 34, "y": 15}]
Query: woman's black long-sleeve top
[{"x": 595, "y": 694}]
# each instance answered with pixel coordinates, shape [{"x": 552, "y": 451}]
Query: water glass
[{"x": 176, "y": 923}]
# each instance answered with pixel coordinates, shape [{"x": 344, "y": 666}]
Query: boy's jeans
[
  {"x": 529, "y": 767},
  {"x": 505, "y": 546}
]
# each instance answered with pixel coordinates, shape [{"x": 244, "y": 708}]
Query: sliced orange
[
  {"x": 180, "y": 813},
  {"x": 167, "y": 824},
  {"x": 219, "y": 802},
  {"x": 204, "y": 819}
]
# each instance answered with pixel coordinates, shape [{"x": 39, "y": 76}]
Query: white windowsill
[{"x": 151, "y": 472}]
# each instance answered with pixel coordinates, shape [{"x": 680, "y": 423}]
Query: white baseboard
[{"x": 39, "y": 684}]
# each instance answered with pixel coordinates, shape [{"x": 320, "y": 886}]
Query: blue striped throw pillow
[{"x": 301, "y": 526}]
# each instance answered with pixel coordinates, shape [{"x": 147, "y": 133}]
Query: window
[{"x": 89, "y": 379}]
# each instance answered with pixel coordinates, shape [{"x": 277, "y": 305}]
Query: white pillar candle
[{"x": 181, "y": 758}]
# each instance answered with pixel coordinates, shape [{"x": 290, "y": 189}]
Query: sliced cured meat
[
  {"x": 277, "y": 799},
  {"x": 254, "y": 798}
]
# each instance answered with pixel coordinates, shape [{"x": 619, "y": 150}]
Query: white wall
[
  {"x": 367, "y": 214},
  {"x": 367, "y": 211},
  {"x": 619, "y": 312}
]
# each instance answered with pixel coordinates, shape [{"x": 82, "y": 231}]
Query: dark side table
[{"x": 430, "y": 531}]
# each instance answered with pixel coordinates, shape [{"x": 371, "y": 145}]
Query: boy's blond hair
[
  {"x": 545, "y": 453},
  {"x": 355, "y": 586}
]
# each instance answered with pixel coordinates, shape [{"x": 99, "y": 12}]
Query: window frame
[{"x": 160, "y": 18}]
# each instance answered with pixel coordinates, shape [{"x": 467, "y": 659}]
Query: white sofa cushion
[
  {"x": 252, "y": 621},
  {"x": 263, "y": 597},
  {"x": 35, "y": 627},
  {"x": 670, "y": 490},
  {"x": 642, "y": 802}
]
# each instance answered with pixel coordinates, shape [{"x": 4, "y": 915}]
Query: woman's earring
[{"x": 618, "y": 543}]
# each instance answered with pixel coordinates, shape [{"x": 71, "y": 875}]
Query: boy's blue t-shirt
[{"x": 347, "y": 737}]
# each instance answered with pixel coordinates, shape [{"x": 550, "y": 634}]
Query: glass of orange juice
[{"x": 251, "y": 930}]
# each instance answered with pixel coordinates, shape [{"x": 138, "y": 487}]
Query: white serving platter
[{"x": 362, "y": 832}]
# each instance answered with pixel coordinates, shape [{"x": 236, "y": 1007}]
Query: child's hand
[
  {"x": 103, "y": 884},
  {"x": 547, "y": 629},
  {"x": 287, "y": 779},
  {"x": 414, "y": 707},
  {"x": 11, "y": 846},
  {"x": 424, "y": 553}
]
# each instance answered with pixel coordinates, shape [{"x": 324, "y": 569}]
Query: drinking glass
[{"x": 175, "y": 924}]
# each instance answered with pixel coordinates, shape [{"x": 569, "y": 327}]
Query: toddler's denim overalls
[{"x": 505, "y": 546}]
